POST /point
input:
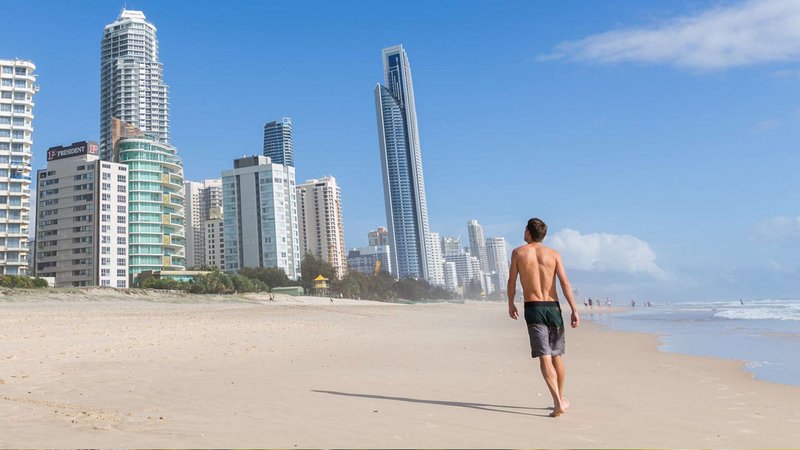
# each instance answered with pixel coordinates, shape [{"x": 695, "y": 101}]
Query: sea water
[{"x": 765, "y": 334}]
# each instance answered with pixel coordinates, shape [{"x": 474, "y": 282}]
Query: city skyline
[{"x": 657, "y": 158}]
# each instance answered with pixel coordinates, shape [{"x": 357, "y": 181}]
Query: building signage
[{"x": 76, "y": 149}]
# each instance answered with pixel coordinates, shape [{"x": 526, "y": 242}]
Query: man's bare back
[{"x": 537, "y": 265}]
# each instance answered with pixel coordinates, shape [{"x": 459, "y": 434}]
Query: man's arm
[
  {"x": 511, "y": 288},
  {"x": 566, "y": 288}
]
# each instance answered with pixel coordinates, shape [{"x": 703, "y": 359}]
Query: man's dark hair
[{"x": 537, "y": 228}]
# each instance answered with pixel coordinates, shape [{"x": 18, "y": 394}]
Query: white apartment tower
[
  {"x": 260, "y": 223},
  {"x": 320, "y": 223},
  {"x": 497, "y": 254},
  {"x": 435, "y": 259},
  {"x": 477, "y": 246},
  {"x": 132, "y": 85},
  {"x": 82, "y": 229},
  {"x": 201, "y": 199},
  {"x": 17, "y": 88}
]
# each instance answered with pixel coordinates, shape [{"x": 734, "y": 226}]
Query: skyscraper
[
  {"x": 497, "y": 254},
  {"x": 260, "y": 223},
  {"x": 401, "y": 163},
  {"x": 278, "y": 144},
  {"x": 477, "y": 246},
  {"x": 320, "y": 222},
  {"x": 132, "y": 85},
  {"x": 17, "y": 88},
  {"x": 201, "y": 200}
]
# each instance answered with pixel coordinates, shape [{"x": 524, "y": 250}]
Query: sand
[{"x": 109, "y": 369}]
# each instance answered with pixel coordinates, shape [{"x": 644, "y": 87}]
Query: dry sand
[{"x": 109, "y": 369}]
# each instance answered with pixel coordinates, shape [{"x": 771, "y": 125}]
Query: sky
[{"x": 658, "y": 139}]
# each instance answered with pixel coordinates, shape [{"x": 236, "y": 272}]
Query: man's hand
[
  {"x": 512, "y": 311},
  {"x": 575, "y": 319}
]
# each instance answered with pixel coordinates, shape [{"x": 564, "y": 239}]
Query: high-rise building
[
  {"x": 260, "y": 223},
  {"x": 319, "y": 216},
  {"x": 278, "y": 144},
  {"x": 214, "y": 240},
  {"x": 435, "y": 260},
  {"x": 477, "y": 245},
  {"x": 497, "y": 254},
  {"x": 451, "y": 246},
  {"x": 378, "y": 237},
  {"x": 365, "y": 259},
  {"x": 132, "y": 85},
  {"x": 17, "y": 88},
  {"x": 155, "y": 200},
  {"x": 82, "y": 229},
  {"x": 200, "y": 199},
  {"x": 450, "y": 276},
  {"x": 401, "y": 164}
]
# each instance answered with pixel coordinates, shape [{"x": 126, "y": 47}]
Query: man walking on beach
[{"x": 537, "y": 267}]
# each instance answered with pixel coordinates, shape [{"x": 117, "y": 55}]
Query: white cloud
[
  {"x": 603, "y": 252},
  {"x": 748, "y": 33},
  {"x": 779, "y": 230}
]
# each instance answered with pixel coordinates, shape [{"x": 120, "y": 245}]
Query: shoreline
[{"x": 380, "y": 375}]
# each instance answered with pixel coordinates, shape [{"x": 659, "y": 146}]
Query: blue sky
[{"x": 658, "y": 139}]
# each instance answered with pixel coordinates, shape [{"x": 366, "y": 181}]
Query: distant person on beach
[
  {"x": 590, "y": 302},
  {"x": 633, "y": 303},
  {"x": 585, "y": 304},
  {"x": 537, "y": 267},
  {"x": 741, "y": 301}
]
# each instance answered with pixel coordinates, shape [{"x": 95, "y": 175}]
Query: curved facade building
[
  {"x": 132, "y": 80},
  {"x": 156, "y": 236},
  {"x": 401, "y": 161},
  {"x": 17, "y": 88}
]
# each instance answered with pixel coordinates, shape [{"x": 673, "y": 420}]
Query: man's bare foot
[
  {"x": 564, "y": 403},
  {"x": 557, "y": 411}
]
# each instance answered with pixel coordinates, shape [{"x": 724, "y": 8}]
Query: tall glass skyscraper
[
  {"x": 401, "y": 161},
  {"x": 132, "y": 85},
  {"x": 278, "y": 142}
]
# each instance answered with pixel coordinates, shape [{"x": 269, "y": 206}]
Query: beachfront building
[
  {"x": 260, "y": 222},
  {"x": 477, "y": 246},
  {"x": 17, "y": 88},
  {"x": 370, "y": 260},
  {"x": 401, "y": 165},
  {"x": 320, "y": 223},
  {"x": 435, "y": 259},
  {"x": 213, "y": 240},
  {"x": 450, "y": 276},
  {"x": 497, "y": 255},
  {"x": 201, "y": 198},
  {"x": 82, "y": 225},
  {"x": 155, "y": 200},
  {"x": 378, "y": 237},
  {"x": 132, "y": 85},
  {"x": 278, "y": 144}
]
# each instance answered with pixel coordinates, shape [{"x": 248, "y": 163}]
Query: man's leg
[
  {"x": 558, "y": 365},
  {"x": 551, "y": 378}
]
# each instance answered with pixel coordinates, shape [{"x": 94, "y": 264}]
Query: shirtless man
[{"x": 537, "y": 267}]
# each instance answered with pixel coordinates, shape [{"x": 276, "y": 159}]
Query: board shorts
[{"x": 545, "y": 328}]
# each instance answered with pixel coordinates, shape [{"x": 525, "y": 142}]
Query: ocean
[{"x": 765, "y": 334}]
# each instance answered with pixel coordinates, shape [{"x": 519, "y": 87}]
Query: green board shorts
[{"x": 545, "y": 328}]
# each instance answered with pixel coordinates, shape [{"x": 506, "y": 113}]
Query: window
[
  {"x": 105, "y": 207},
  {"x": 106, "y": 197},
  {"x": 105, "y": 250},
  {"x": 121, "y": 251},
  {"x": 121, "y": 240},
  {"x": 105, "y": 272},
  {"x": 20, "y": 71},
  {"x": 106, "y": 186},
  {"x": 121, "y": 273},
  {"x": 106, "y": 218},
  {"x": 7, "y": 69},
  {"x": 121, "y": 178},
  {"x": 106, "y": 229},
  {"x": 105, "y": 239},
  {"x": 122, "y": 188},
  {"x": 121, "y": 209},
  {"x": 122, "y": 230},
  {"x": 122, "y": 198},
  {"x": 106, "y": 176},
  {"x": 121, "y": 219},
  {"x": 122, "y": 261},
  {"x": 105, "y": 261},
  {"x": 121, "y": 284}
]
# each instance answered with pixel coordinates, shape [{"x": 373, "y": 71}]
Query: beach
[{"x": 116, "y": 369}]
